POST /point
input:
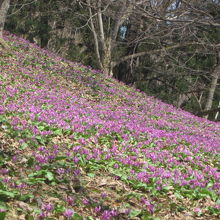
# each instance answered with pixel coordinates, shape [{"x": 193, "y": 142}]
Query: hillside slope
[{"x": 75, "y": 143}]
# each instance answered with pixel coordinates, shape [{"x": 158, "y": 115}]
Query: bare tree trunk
[
  {"x": 95, "y": 36},
  {"x": 4, "y": 6},
  {"x": 182, "y": 98},
  {"x": 106, "y": 43},
  {"x": 105, "y": 39},
  {"x": 215, "y": 77},
  {"x": 217, "y": 113},
  {"x": 107, "y": 57},
  {"x": 100, "y": 21}
]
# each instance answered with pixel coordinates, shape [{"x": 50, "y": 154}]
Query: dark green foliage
[{"x": 64, "y": 27}]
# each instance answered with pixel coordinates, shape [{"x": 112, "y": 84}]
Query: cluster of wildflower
[{"x": 160, "y": 144}]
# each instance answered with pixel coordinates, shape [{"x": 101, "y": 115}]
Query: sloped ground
[{"x": 76, "y": 144}]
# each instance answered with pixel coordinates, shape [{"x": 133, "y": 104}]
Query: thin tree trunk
[
  {"x": 215, "y": 77},
  {"x": 214, "y": 110},
  {"x": 217, "y": 113},
  {"x": 182, "y": 98},
  {"x": 95, "y": 36},
  {"x": 4, "y": 6},
  {"x": 107, "y": 57},
  {"x": 101, "y": 27},
  {"x": 106, "y": 44},
  {"x": 105, "y": 41}
]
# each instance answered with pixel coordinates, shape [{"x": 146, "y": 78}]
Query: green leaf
[
  {"x": 91, "y": 175},
  {"x": 213, "y": 211},
  {"x": 68, "y": 132},
  {"x": 40, "y": 139},
  {"x": 111, "y": 163},
  {"x": 2, "y": 215},
  {"x": 60, "y": 158},
  {"x": 49, "y": 176},
  {"x": 2, "y": 186},
  {"x": 41, "y": 127},
  {"x": 210, "y": 184},
  {"x": 30, "y": 162},
  {"x": 35, "y": 180},
  {"x": 59, "y": 208},
  {"x": 5, "y": 195},
  {"x": 77, "y": 217},
  {"x": 208, "y": 193},
  {"x": 89, "y": 218},
  {"x": 58, "y": 132},
  {"x": 134, "y": 213},
  {"x": 37, "y": 173},
  {"x": 51, "y": 218},
  {"x": 24, "y": 197},
  {"x": 23, "y": 146},
  {"x": 3, "y": 206}
]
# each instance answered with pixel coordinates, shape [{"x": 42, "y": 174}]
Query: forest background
[{"x": 169, "y": 49}]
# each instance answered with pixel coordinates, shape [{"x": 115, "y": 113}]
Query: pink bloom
[{"x": 68, "y": 213}]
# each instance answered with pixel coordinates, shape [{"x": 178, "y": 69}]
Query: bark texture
[
  {"x": 214, "y": 82},
  {"x": 4, "y": 6}
]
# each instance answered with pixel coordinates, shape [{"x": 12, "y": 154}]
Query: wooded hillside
[
  {"x": 166, "y": 48},
  {"x": 78, "y": 144}
]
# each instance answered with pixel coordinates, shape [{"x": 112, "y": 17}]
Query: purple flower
[
  {"x": 150, "y": 207},
  {"x": 197, "y": 210},
  {"x": 97, "y": 209},
  {"x": 144, "y": 201},
  {"x": 68, "y": 213},
  {"x": 116, "y": 166},
  {"x": 3, "y": 171},
  {"x": 217, "y": 206},
  {"x": 14, "y": 158},
  {"x": 114, "y": 212},
  {"x": 106, "y": 215},
  {"x": 75, "y": 159},
  {"x": 60, "y": 171},
  {"x": 6, "y": 179},
  {"x": 44, "y": 214},
  {"x": 76, "y": 172},
  {"x": 103, "y": 195},
  {"x": 127, "y": 211},
  {"x": 85, "y": 201},
  {"x": 70, "y": 200},
  {"x": 21, "y": 185},
  {"x": 48, "y": 207},
  {"x": 68, "y": 154}
]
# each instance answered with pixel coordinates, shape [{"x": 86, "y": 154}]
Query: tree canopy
[{"x": 168, "y": 49}]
